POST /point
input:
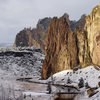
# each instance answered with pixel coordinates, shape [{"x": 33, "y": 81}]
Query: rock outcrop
[
  {"x": 33, "y": 37},
  {"x": 93, "y": 34},
  {"x": 61, "y": 48},
  {"x": 22, "y": 38}
]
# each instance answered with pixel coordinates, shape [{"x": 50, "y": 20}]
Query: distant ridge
[{"x": 6, "y": 44}]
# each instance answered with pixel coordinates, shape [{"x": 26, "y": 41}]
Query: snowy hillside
[
  {"x": 91, "y": 81},
  {"x": 20, "y": 61},
  {"x": 17, "y": 63}
]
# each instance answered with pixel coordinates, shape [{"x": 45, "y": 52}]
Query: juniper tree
[
  {"x": 68, "y": 81},
  {"x": 81, "y": 83},
  {"x": 49, "y": 87}
]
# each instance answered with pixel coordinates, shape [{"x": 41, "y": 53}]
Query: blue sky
[{"x": 17, "y": 14}]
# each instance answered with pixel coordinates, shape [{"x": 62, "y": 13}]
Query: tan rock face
[
  {"x": 61, "y": 49},
  {"x": 66, "y": 49},
  {"x": 96, "y": 51},
  {"x": 93, "y": 31},
  {"x": 83, "y": 49}
]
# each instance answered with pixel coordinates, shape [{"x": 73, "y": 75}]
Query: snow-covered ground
[
  {"x": 90, "y": 75},
  {"x": 20, "y": 61},
  {"x": 17, "y": 63}
]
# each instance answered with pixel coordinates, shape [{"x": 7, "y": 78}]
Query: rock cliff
[
  {"x": 33, "y": 37},
  {"x": 69, "y": 45},
  {"x": 92, "y": 27},
  {"x": 22, "y": 38},
  {"x": 37, "y": 36},
  {"x": 61, "y": 48}
]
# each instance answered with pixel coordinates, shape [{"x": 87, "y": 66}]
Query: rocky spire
[{"x": 61, "y": 50}]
